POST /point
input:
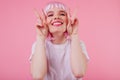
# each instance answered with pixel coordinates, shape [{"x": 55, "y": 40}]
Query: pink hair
[
  {"x": 59, "y": 5},
  {"x": 54, "y": 4}
]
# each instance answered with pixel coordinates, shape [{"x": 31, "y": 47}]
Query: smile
[{"x": 57, "y": 23}]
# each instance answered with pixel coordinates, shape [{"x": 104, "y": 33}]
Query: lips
[{"x": 57, "y": 23}]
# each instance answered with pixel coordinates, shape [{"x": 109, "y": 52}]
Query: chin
[
  {"x": 57, "y": 31},
  {"x": 57, "y": 28}
]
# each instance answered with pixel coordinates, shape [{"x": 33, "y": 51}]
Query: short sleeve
[
  {"x": 82, "y": 44},
  {"x": 32, "y": 50}
]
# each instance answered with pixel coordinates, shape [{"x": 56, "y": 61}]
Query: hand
[
  {"x": 41, "y": 26},
  {"x": 72, "y": 27}
]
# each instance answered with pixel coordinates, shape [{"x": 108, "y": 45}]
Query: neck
[{"x": 58, "y": 38}]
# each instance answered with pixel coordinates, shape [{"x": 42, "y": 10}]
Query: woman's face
[{"x": 56, "y": 20}]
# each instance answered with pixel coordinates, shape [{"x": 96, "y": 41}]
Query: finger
[
  {"x": 39, "y": 24},
  {"x": 69, "y": 19},
  {"x": 39, "y": 32},
  {"x": 69, "y": 30},
  {"x": 43, "y": 16},
  {"x": 69, "y": 27},
  {"x": 74, "y": 15},
  {"x": 69, "y": 22},
  {"x": 36, "y": 13},
  {"x": 39, "y": 19},
  {"x": 68, "y": 13},
  {"x": 44, "y": 20}
]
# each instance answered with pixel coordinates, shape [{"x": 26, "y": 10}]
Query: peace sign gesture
[
  {"x": 41, "y": 26},
  {"x": 72, "y": 27}
]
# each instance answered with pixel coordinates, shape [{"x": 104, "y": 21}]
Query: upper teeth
[{"x": 56, "y": 23}]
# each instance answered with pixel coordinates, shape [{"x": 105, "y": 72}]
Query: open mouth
[{"x": 57, "y": 23}]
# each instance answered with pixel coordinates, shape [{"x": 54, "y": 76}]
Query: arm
[
  {"x": 78, "y": 59},
  {"x": 39, "y": 61}
]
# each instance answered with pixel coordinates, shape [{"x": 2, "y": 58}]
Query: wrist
[
  {"x": 75, "y": 37},
  {"x": 40, "y": 40}
]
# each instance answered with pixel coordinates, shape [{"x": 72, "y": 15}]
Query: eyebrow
[
  {"x": 59, "y": 11},
  {"x": 62, "y": 11},
  {"x": 49, "y": 12}
]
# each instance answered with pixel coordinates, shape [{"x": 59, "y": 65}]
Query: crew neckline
[{"x": 58, "y": 45}]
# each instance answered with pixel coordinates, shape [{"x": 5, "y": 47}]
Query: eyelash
[
  {"x": 62, "y": 14},
  {"x": 50, "y": 15}
]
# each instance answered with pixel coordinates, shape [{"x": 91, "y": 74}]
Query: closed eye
[
  {"x": 62, "y": 14},
  {"x": 50, "y": 15}
]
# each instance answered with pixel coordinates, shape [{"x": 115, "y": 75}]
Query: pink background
[{"x": 99, "y": 29}]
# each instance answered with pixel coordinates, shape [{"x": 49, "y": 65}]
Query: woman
[{"x": 58, "y": 54}]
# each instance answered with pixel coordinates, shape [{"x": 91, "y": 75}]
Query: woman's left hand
[{"x": 72, "y": 27}]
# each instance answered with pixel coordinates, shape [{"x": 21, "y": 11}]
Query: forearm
[
  {"x": 39, "y": 61},
  {"x": 78, "y": 59}
]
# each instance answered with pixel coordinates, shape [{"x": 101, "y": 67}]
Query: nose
[{"x": 56, "y": 17}]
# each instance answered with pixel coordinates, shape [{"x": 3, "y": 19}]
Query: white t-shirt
[{"x": 58, "y": 57}]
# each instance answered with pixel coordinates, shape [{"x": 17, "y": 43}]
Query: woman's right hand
[{"x": 41, "y": 26}]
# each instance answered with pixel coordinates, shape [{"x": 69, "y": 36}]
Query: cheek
[
  {"x": 48, "y": 20},
  {"x": 66, "y": 21}
]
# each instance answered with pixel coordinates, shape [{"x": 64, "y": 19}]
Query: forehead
[
  {"x": 55, "y": 6},
  {"x": 56, "y": 10}
]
